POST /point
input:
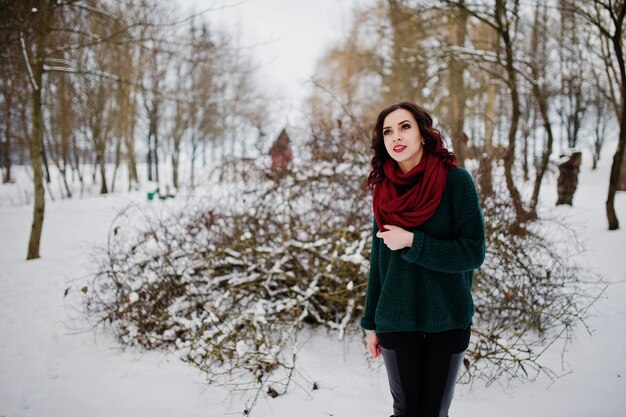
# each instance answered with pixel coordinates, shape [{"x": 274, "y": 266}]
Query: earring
[{"x": 423, "y": 142}]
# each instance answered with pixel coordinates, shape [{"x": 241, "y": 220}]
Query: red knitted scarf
[{"x": 409, "y": 199}]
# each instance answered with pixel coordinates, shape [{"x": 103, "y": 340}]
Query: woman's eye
[
  {"x": 386, "y": 132},
  {"x": 406, "y": 126}
]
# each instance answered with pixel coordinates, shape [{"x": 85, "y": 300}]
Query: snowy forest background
[{"x": 176, "y": 215}]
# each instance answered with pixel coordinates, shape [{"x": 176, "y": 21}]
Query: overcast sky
[{"x": 289, "y": 37}]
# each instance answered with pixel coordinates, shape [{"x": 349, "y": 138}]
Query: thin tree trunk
[
  {"x": 176, "y": 162},
  {"x": 175, "y": 171},
  {"x": 94, "y": 171},
  {"x": 6, "y": 152},
  {"x": 525, "y": 167},
  {"x": 118, "y": 157},
  {"x": 194, "y": 148},
  {"x": 156, "y": 156},
  {"x": 132, "y": 162},
  {"x": 547, "y": 150},
  {"x": 36, "y": 163},
  {"x": 618, "y": 158},
  {"x": 619, "y": 153},
  {"x": 541, "y": 97},
  {"x": 457, "y": 87},
  {"x": 25, "y": 123},
  {"x": 103, "y": 187},
  {"x": 149, "y": 156},
  {"x": 63, "y": 171},
  {"x": 45, "y": 158},
  {"x": 486, "y": 180},
  {"x": 204, "y": 154},
  {"x": 509, "y": 159},
  {"x": 36, "y": 151},
  {"x": 100, "y": 157},
  {"x": 77, "y": 163}
]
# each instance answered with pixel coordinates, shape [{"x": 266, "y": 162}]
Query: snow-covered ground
[{"x": 52, "y": 364}]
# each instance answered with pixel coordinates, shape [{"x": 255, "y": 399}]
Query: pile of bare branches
[
  {"x": 227, "y": 282},
  {"x": 529, "y": 294}
]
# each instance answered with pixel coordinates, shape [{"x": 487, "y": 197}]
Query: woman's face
[{"x": 403, "y": 139}]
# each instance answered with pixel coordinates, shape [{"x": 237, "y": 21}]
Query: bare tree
[
  {"x": 13, "y": 99},
  {"x": 99, "y": 108},
  {"x": 152, "y": 101},
  {"x": 600, "y": 107},
  {"x": 61, "y": 126},
  {"x": 541, "y": 93},
  {"x": 573, "y": 99},
  {"x": 504, "y": 20},
  {"x": 38, "y": 27},
  {"x": 179, "y": 124},
  {"x": 608, "y": 18}
]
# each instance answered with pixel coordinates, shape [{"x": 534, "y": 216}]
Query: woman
[{"x": 428, "y": 238}]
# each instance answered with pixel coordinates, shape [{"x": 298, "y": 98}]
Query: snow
[{"x": 53, "y": 364}]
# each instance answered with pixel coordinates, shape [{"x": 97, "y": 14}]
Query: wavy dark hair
[{"x": 433, "y": 141}]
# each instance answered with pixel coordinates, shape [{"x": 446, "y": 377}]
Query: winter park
[{"x": 185, "y": 227}]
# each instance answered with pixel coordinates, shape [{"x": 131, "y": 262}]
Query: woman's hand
[
  {"x": 396, "y": 237},
  {"x": 372, "y": 343}
]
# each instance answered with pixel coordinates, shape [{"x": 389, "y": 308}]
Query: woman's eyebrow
[{"x": 405, "y": 121}]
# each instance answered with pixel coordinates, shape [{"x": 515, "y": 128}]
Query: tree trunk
[
  {"x": 542, "y": 102},
  {"x": 63, "y": 171},
  {"x": 156, "y": 157},
  {"x": 118, "y": 158},
  {"x": 176, "y": 162},
  {"x": 457, "y": 87},
  {"x": 525, "y": 167},
  {"x": 37, "y": 163},
  {"x": 149, "y": 157},
  {"x": 622, "y": 175},
  {"x": 103, "y": 187},
  {"x": 94, "y": 170},
  {"x": 509, "y": 159},
  {"x": 77, "y": 164},
  {"x": 36, "y": 151},
  {"x": 616, "y": 167},
  {"x": 600, "y": 131},
  {"x": 618, "y": 158},
  {"x": 194, "y": 148},
  {"x": 132, "y": 162},
  {"x": 65, "y": 131},
  {"x": 486, "y": 180},
  {"x": 101, "y": 149},
  {"x": 44, "y": 157},
  {"x": 175, "y": 171},
  {"x": 6, "y": 151}
]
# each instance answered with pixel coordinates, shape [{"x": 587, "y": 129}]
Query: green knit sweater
[{"x": 428, "y": 286}]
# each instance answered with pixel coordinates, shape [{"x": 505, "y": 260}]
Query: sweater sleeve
[
  {"x": 373, "y": 284},
  {"x": 466, "y": 250}
]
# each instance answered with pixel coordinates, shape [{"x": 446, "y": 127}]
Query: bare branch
[
  {"x": 70, "y": 70},
  {"x": 31, "y": 76}
]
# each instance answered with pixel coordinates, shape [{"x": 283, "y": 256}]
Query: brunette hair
[{"x": 433, "y": 141}]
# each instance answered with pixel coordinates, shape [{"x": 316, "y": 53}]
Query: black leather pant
[{"x": 422, "y": 369}]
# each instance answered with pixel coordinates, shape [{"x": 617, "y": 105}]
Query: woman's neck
[{"x": 409, "y": 164}]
